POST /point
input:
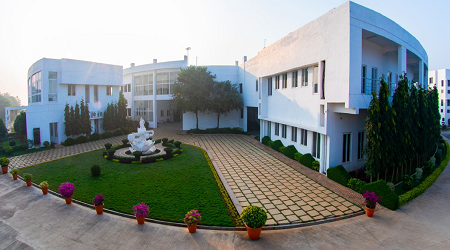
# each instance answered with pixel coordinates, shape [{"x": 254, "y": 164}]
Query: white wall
[{"x": 207, "y": 120}]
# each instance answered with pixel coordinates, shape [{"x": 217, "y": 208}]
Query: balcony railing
[{"x": 369, "y": 86}]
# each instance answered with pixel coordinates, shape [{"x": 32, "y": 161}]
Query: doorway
[
  {"x": 37, "y": 136},
  {"x": 252, "y": 121}
]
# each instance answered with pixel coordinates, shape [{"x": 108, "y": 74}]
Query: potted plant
[
  {"x": 4, "y": 162},
  {"x": 98, "y": 203},
  {"x": 27, "y": 178},
  {"x": 191, "y": 219},
  {"x": 254, "y": 218},
  {"x": 44, "y": 187},
  {"x": 14, "y": 173},
  {"x": 371, "y": 202},
  {"x": 66, "y": 190},
  {"x": 140, "y": 211}
]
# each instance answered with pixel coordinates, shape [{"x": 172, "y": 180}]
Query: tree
[
  {"x": 7, "y": 100},
  {"x": 67, "y": 121},
  {"x": 77, "y": 120},
  {"x": 224, "y": 98},
  {"x": 435, "y": 117},
  {"x": 20, "y": 124},
  {"x": 87, "y": 120},
  {"x": 192, "y": 90},
  {"x": 72, "y": 119},
  {"x": 3, "y": 130},
  {"x": 413, "y": 113},
  {"x": 122, "y": 111},
  {"x": 373, "y": 148}
]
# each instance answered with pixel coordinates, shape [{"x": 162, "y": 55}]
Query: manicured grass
[{"x": 171, "y": 188}]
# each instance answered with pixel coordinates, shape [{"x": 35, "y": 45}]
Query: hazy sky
[{"x": 219, "y": 32}]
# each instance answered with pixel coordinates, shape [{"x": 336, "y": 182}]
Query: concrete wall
[{"x": 208, "y": 120}]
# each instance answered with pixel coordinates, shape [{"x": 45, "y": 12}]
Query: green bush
[
  {"x": 106, "y": 135},
  {"x": 168, "y": 151},
  {"x": 281, "y": 149},
  {"x": 108, "y": 146},
  {"x": 69, "y": 142},
  {"x": 96, "y": 170},
  {"x": 27, "y": 176},
  {"x": 265, "y": 140},
  {"x": 297, "y": 156},
  {"x": 94, "y": 137},
  {"x": 46, "y": 144},
  {"x": 276, "y": 145},
  {"x": 407, "y": 182},
  {"x": 380, "y": 188},
  {"x": 270, "y": 143},
  {"x": 170, "y": 141},
  {"x": 117, "y": 132},
  {"x": 177, "y": 144},
  {"x": 12, "y": 143},
  {"x": 8, "y": 150},
  {"x": 357, "y": 185},
  {"x": 165, "y": 140},
  {"x": 157, "y": 141},
  {"x": 427, "y": 168},
  {"x": 339, "y": 175},
  {"x": 257, "y": 138},
  {"x": 254, "y": 217},
  {"x": 137, "y": 155},
  {"x": 111, "y": 153},
  {"x": 316, "y": 166},
  {"x": 307, "y": 161},
  {"x": 125, "y": 142},
  {"x": 438, "y": 156},
  {"x": 81, "y": 139},
  {"x": 290, "y": 151}
]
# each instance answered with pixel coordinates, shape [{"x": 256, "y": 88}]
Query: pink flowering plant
[
  {"x": 192, "y": 217},
  {"x": 371, "y": 199},
  {"x": 66, "y": 189},
  {"x": 98, "y": 200},
  {"x": 141, "y": 210}
]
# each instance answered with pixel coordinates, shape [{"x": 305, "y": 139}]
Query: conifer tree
[
  {"x": 72, "y": 121},
  {"x": 77, "y": 120},
  {"x": 67, "y": 121},
  {"x": 373, "y": 148},
  {"x": 413, "y": 113},
  {"x": 87, "y": 120}
]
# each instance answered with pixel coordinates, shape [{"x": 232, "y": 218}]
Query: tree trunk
[
  {"x": 371, "y": 178},
  {"x": 218, "y": 118},
  {"x": 196, "y": 116},
  {"x": 378, "y": 176}
]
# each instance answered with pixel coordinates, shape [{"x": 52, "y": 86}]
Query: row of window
[
  {"x": 371, "y": 85},
  {"x": 442, "y": 82},
  {"x": 294, "y": 137},
  {"x": 295, "y": 79},
  {"x": 143, "y": 84},
  {"x": 346, "y": 146},
  {"x": 71, "y": 91}
]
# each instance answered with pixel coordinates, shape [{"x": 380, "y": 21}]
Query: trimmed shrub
[
  {"x": 108, "y": 146},
  {"x": 117, "y": 132},
  {"x": 177, "y": 144},
  {"x": 96, "y": 170},
  {"x": 276, "y": 145},
  {"x": 111, "y": 153},
  {"x": 380, "y": 188},
  {"x": 307, "y": 161},
  {"x": 297, "y": 156},
  {"x": 407, "y": 182},
  {"x": 126, "y": 131},
  {"x": 12, "y": 143},
  {"x": 46, "y": 144},
  {"x": 8, "y": 150},
  {"x": 137, "y": 155},
  {"x": 94, "y": 137},
  {"x": 157, "y": 141},
  {"x": 170, "y": 141},
  {"x": 290, "y": 151},
  {"x": 125, "y": 142},
  {"x": 281, "y": 149},
  {"x": 339, "y": 175},
  {"x": 106, "y": 135},
  {"x": 81, "y": 139},
  {"x": 356, "y": 184},
  {"x": 168, "y": 151},
  {"x": 69, "y": 142},
  {"x": 427, "y": 168},
  {"x": 257, "y": 138},
  {"x": 165, "y": 140},
  {"x": 265, "y": 140},
  {"x": 316, "y": 166}
]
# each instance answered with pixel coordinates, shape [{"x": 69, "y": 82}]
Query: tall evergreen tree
[
  {"x": 20, "y": 124},
  {"x": 77, "y": 120},
  {"x": 67, "y": 121},
  {"x": 72, "y": 120},
  {"x": 413, "y": 112},
  {"x": 87, "y": 125},
  {"x": 433, "y": 107},
  {"x": 82, "y": 118},
  {"x": 424, "y": 126},
  {"x": 122, "y": 111},
  {"x": 3, "y": 130},
  {"x": 373, "y": 148}
]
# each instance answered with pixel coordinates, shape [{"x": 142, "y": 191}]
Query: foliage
[
  {"x": 12, "y": 143},
  {"x": 307, "y": 160},
  {"x": 66, "y": 189},
  {"x": 265, "y": 140},
  {"x": 276, "y": 145},
  {"x": 438, "y": 156},
  {"x": 43, "y": 184},
  {"x": 290, "y": 151},
  {"x": 4, "y": 161},
  {"x": 407, "y": 182},
  {"x": 96, "y": 170},
  {"x": 46, "y": 144},
  {"x": 168, "y": 151},
  {"x": 27, "y": 177},
  {"x": 141, "y": 210},
  {"x": 94, "y": 137},
  {"x": 356, "y": 184},
  {"x": 418, "y": 174},
  {"x": 69, "y": 142},
  {"x": 117, "y": 133},
  {"x": 98, "y": 200},
  {"x": 164, "y": 140},
  {"x": 20, "y": 124},
  {"x": 224, "y": 98},
  {"x": 427, "y": 168},
  {"x": 106, "y": 135},
  {"x": 339, "y": 175},
  {"x": 108, "y": 145},
  {"x": 281, "y": 149},
  {"x": 254, "y": 216},
  {"x": 3, "y": 130},
  {"x": 297, "y": 156},
  {"x": 391, "y": 186},
  {"x": 125, "y": 141},
  {"x": 390, "y": 199},
  {"x": 177, "y": 144},
  {"x": 6, "y": 100},
  {"x": 137, "y": 155},
  {"x": 315, "y": 166},
  {"x": 157, "y": 141},
  {"x": 371, "y": 199},
  {"x": 14, "y": 171},
  {"x": 192, "y": 217},
  {"x": 80, "y": 139},
  {"x": 8, "y": 150}
]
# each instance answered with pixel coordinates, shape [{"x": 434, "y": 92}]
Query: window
[
  {"x": 144, "y": 109},
  {"x": 294, "y": 134},
  {"x": 448, "y": 91},
  {"x": 71, "y": 90},
  {"x": 240, "y": 88},
  {"x": 389, "y": 82},
  {"x": 128, "y": 111},
  {"x": 363, "y": 80},
  {"x": 448, "y": 102},
  {"x": 442, "y": 83},
  {"x": 95, "y": 93},
  {"x": 316, "y": 79},
  {"x": 442, "y": 111},
  {"x": 277, "y": 128},
  {"x": 143, "y": 85},
  {"x": 168, "y": 113},
  {"x": 54, "y": 129},
  {"x": 448, "y": 83},
  {"x": 431, "y": 79},
  {"x": 322, "y": 96},
  {"x": 448, "y": 111},
  {"x": 109, "y": 90},
  {"x": 360, "y": 145},
  {"x": 316, "y": 145},
  {"x": 256, "y": 85},
  {"x": 269, "y": 129},
  {"x": 283, "y": 130},
  {"x": 269, "y": 86},
  {"x": 277, "y": 82},
  {"x": 346, "y": 148},
  {"x": 35, "y": 87},
  {"x": 304, "y": 140},
  {"x": 295, "y": 79},
  {"x": 374, "y": 80},
  {"x": 128, "y": 87},
  {"x": 284, "y": 81},
  {"x": 162, "y": 113},
  {"x": 304, "y": 77},
  {"x": 52, "y": 86},
  {"x": 162, "y": 83},
  {"x": 87, "y": 93},
  {"x": 442, "y": 102}
]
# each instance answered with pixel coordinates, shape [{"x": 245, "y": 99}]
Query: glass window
[
  {"x": 294, "y": 134},
  {"x": 284, "y": 81},
  {"x": 173, "y": 77},
  {"x": 431, "y": 79},
  {"x": 277, "y": 128},
  {"x": 35, "y": 88},
  {"x": 87, "y": 93},
  {"x": 95, "y": 93},
  {"x": 143, "y": 85},
  {"x": 71, "y": 89},
  {"x": 295, "y": 79},
  {"x": 256, "y": 85},
  {"x": 316, "y": 145},
  {"x": 304, "y": 77},
  {"x": 109, "y": 90},
  {"x": 52, "y": 86},
  {"x": 269, "y": 86},
  {"x": 283, "y": 131},
  {"x": 304, "y": 140},
  {"x": 346, "y": 148},
  {"x": 144, "y": 109},
  {"x": 361, "y": 145}
]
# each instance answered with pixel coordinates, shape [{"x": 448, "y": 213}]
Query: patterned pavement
[{"x": 255, "y": 176}]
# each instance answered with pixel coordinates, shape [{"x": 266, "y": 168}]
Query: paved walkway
[{"x": 30, "y": 220}]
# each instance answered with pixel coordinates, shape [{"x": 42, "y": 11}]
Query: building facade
[
  {"x": 441, "y": 79},
  {"x": 52, "y": 83}
]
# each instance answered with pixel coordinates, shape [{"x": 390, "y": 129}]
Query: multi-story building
[
  {"x": 441, "y": 79},
  {"x": 52, "y": 83}
]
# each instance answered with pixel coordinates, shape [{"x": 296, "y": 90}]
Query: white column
[
  {"x": 244, "y": 122},
  {"x": 155, "y": 113},
  {"x": 421, "y": 80},
  {"x": 402, "y": 60}
]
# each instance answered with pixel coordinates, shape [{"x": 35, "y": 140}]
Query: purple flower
[
  {"x": 98, "y": 200},
  {"x": 141, "y": 210},
  {"x": 192, "y": 217},
  {"x": 66, "y": 189},
  {"x": 371, "y": 199}
]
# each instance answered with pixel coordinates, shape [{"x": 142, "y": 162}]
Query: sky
[{"x": 218, "y": 32}]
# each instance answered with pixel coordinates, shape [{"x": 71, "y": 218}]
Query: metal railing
[{"x": 369, "y": 86}]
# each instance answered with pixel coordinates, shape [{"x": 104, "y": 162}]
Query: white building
[
  {"x": 52, "y": 83},
  {"x": 441, "y": 79}
]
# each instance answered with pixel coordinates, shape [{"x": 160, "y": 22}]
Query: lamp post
[{"x": 187, "y": 49}]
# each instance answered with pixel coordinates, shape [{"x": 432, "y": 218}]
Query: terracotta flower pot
[
  {"x": 192, "y": 228},
  {"x": 4, "y": 169},
  {"x": 45, "y": 191},
  {"x": 253, "y": 233},
  {"x": 99, "y": 209},
  {"x": 370, "y": 211},
  {"x": 140, "y": 220},
  {"x": 68, "y": 200},
  {"x": 14, "y": 176},
  {"x": 28, "y": 183}
]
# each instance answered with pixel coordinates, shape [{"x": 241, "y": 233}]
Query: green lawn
[{"x": 170, "y": 188}]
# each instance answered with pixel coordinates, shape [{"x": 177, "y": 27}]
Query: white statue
[{"x": 139, "y": 142}]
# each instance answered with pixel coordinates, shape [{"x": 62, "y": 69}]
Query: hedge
[
  {"x": 339, "y": 175},
  {"x": 265, "y": 140},
  {"x": 69, "y": 142},
  {"x": 389, "y": 198},
  {"x": 413, "y": 193},
  {"x": 117, "y": 133},
  {"x": 297, "y": 156},
  {"x": 80, "y": 139},
  {"x": 106, "y": 135},
  {"x": 307, "y": 160},
  {"x": 94, "y": 137},
  {"x": 276, "y": 145},
  {"x": 290, "y": 151}
]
